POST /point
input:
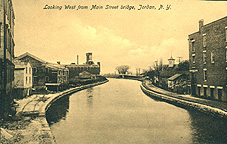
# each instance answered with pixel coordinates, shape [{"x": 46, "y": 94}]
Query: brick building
[
  {"x": 6, "y": 50},
  {"x": 208, "y": 60},
  {"x": 38, "y": 68},
  {"x": 45, "y": 73},
  {"x": 89, "y": 66},
  {"x": 56, "y": 76}
]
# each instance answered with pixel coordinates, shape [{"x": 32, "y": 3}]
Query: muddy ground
[{"x": 22, "y": 130}]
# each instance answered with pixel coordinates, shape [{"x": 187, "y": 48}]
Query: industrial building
[
  {"x": 46, "y": 74},
  {"x": 89, "y": 67},
  {"x": 6, "y": 51},
  {"x": 208, "y": 60}
]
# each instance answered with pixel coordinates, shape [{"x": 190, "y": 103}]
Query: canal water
[{"x": 119, "y": 112}]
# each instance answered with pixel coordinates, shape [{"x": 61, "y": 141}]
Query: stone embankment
[
  {"x": 46, "y": 131},
  {"x": 35, "y": 128},
  {"x": 214, "y": 108}
]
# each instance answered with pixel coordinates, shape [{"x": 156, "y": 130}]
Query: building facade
[
  {"x": 208, "y": 60},
  {"x": 45, "y": 74},
  {"x": 38, "y": 68},
  {"x": 178, "y": 83},
  {"x": 22, "y": 79},
  {"x": 6, "y": 49},
  {"x": 89, "y": 66},
  {"x": 56, "y": 77}
]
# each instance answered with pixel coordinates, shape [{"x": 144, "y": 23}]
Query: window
[
  {"x": 26, "y": 70},
  {"x": 204, "y": 40},
  {"x": 47, "y": 70},
  {"x": 193, "y": 45},
  {"x": 29, "y": 70},
  {"x": 46, "y": 78},
  {"x": 226, "y": 54},
  {"x": 26, "y": 80},
  {"x": 226, "y": 33},
  {"x": 212, "y": 92},
  {"x": 199, "y": 91},
  {"x": 205, "y": 75},
  {"x": 219, "y": 94},
  {"x": 205, "y": 91},
  {"x": 193, "y": 59},
  {"x": 29, "y": 80},
  {"x": 204, "y": 57},
  {"x": 36, "y": 80},
  {"x": 212, "y": 57}
]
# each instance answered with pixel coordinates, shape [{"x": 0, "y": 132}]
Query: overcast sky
[{"x": 115, "y": 37}]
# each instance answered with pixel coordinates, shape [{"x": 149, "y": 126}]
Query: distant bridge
[{"x": 125, "y": 76}]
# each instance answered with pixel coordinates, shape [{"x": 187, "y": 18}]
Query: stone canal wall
[
  {"x": 184, "y": 103},
  {"x": 47, "y": 136},
  {"x": 51, "y": 100}
]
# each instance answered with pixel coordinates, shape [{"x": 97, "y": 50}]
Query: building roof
[
  {"x": 19, "y": 64},
  {"x": 84, "y": 73},
  {"x": 167, "y": 74},
  {"x": 171, "y": 58},
  {"x": 174, "y": 77},
  {"x": 215, "y": 21},
  {"x": 82, "y": 65},
  {"x": 30, "y": 55},
  {"x": 55, "y": 66},
  {"x": 208, "y": 25},
  {"x": 167, "y": 68}
]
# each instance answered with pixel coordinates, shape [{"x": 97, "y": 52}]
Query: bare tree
[{"x": 123, "y": 69}]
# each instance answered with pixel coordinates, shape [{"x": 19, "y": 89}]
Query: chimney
[
  {"x": 59, "y": 62},
  {"x": 77, "y": 59},
  {"x": 200, "y": 25},
  {"x": 89, "y": 57},
  {"x": 98, "y": 63}
]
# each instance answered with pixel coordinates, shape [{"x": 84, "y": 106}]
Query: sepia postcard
[{"x": 113, "y": 71}]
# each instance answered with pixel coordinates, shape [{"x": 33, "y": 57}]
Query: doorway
[
  {"x": 219, "y": 94},
  {"x": 212, "y": 93},
  {"x": 205, "y": 91},
  {"x": 199, "y": 91}
]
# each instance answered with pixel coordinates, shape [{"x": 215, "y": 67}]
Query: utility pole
[
  {"x": 179, "y": 59},
  {"x": 157, "y": 69}
]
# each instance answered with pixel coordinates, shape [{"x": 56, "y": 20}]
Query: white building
[{"x": 23, "y": 80}]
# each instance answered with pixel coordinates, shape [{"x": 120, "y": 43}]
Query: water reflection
[
  {"x": 207, "y": 129},
  {"x": 119, "y": 112},
  {"x": 58, "y": 110},
  {"x": 89, "y": 93}
]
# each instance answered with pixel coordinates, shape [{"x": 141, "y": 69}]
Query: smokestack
[
  {"x": 77, "y": 59},
  {"x": 89, "y": 57},
  {"x": 200, "y": 25}
]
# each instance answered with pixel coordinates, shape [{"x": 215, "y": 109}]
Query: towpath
[{"x": 213, "y": 103}]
